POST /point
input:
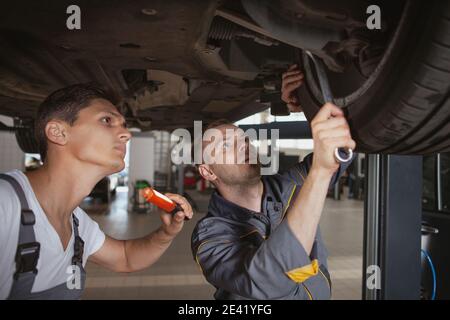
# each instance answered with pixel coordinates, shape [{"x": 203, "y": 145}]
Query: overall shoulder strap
[
  {"x": 77, "y": 258},
  {"x": 27, "y": 254},
  {"x": 27, "y": 218}
]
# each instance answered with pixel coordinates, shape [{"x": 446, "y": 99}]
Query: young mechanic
[{"x": 45, "y": 238}]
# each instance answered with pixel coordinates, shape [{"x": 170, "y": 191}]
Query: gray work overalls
[{"x": 27, "y": 256}]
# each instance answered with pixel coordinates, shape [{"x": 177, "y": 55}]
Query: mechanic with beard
[
  {"x": 260, "y": 238},
  {"x": 45, "y": 238}
]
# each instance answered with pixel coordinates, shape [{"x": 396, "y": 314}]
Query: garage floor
[{"x": 177, "y": 276}]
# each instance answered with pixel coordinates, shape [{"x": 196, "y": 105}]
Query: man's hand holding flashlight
[{"x": 173, "y": 223}]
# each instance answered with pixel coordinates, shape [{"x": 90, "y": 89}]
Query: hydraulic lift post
[{"x": 392, "y": 227}]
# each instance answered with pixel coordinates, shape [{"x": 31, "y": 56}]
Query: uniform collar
[
  {"x": 272, "y": 199},
  {"x": 221, "y": 207}
]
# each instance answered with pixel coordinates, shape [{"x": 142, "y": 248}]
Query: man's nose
[
  {"x": 125, "y": 135},
  {"x": 244, "y": 145}
]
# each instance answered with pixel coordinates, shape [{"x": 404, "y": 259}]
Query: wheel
[{"x": 403, "y": 106}]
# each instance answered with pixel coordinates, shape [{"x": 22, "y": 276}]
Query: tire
[{"x": 406, "y": 109}]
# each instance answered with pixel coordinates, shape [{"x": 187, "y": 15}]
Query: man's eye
[{"x": 106, "y": 120}]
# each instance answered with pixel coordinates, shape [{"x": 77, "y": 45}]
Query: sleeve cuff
[{"x": 304, "y": 273}]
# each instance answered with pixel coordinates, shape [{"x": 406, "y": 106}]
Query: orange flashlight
[{"x": 161, "y": 201}]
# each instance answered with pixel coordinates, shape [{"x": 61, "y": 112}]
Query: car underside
[{"x": 173, "y": 62}]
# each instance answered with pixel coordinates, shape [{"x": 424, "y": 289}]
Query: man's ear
[
  {"x": 206, "y": 172},
  {"x": 56, "y": 132}
]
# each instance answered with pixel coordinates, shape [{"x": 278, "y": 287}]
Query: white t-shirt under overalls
[{"x": 53, "y": 261}]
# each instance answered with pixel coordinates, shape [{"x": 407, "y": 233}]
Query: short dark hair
[{"x": 65, "y": 104}]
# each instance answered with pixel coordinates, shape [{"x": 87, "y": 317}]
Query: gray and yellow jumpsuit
[{"x": 255, "y": 255}]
